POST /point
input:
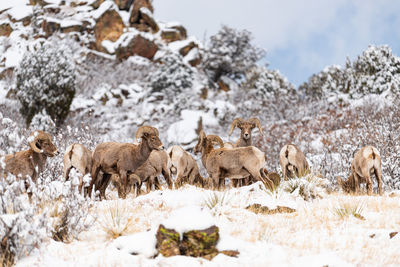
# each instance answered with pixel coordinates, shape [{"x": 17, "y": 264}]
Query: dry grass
[{"x": 116, "y": 220}]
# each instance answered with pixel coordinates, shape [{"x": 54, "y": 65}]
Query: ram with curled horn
[
  {"x": 232, "y": 163},
  {"x": 31, "y": 162},
  {"x": 246, "y": 128},
  {"x": 122, "y": 159}
]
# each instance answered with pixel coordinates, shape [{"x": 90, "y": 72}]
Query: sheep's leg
[
  {"x": 356, "y": 183},
  {"x": 165, "y": 172},
  {"x": 123, "y": 184},
  {"x": 66, "y": 173},
  {"x": 95, "y": 174},
  {"x": 378, "y": 176},
  {"x": 104, "y": 184},
  {"x": 179, "y": 178},
  {"x": 369, "y": 184},
  {"x": 149, "y": 184}
]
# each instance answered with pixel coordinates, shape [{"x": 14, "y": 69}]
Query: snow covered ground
[{"x": 314, "y": 235}]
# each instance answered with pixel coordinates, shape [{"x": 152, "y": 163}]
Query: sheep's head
[
  {"x": 201, "y": 144},
  {"x": 246, "y": 127},
  {"x": 40, "y": 142},
  {"x": 150, "y": 135}
]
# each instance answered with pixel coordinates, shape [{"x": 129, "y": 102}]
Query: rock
[
  {"x": 171, "y": 35},
  {"x": 193, "y": 57},
  {"x": 135, "y": 44},
  {"x": 109, "y": 25},
  {"x": 257, "y": 208},
  {"x": 124, "y": 4},
  {"x": 230, "y": 253},
  {"x": 96, "y": 4},
  {"x": 200, "y": 243},
  {"x": 181, "y": 29},
  {"x": 136, "y": 14},
  {"x": 71, "y": 26},
  {"x": 359, "y": 216},
  {"x": 50, "y": 26},
  {"x": 146, "y": 21},
  {"x": 393, "y": 234},
  {"x": 5, "y": 29},
  {"x": 167, "y": 241}
]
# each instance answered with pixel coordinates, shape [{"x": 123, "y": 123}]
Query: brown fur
[
  {"x": 233, "y": 163},
  {"x": 122, "y": 159},
  {"x": 293, "y": 162},
  {"x": 185, "y": 167},
  {"x": 155, "y": 165},
  {"x": 79, "y": 157},
  {"x": 366, "y": 162},
  {"x": 31, "y": 162}
]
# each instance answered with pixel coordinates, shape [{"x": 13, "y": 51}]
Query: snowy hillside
[{"x": 95, "y": 71}]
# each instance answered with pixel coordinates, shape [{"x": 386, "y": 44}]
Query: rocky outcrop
[
  {"x": 131, "y": 44},
  {"x": 5, "y": 29},
  {"x": 257, "y": 208},
  {"x": 173, "y": 33},
  {"x": 167, "y": 241},
  {"x": 109, "y": 24}
]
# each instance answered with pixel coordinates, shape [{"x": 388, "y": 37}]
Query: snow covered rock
[
  {"x": 136, "y": 14},
  {"x": 146, "y": 22},
  {"x": 5, "y": 29},
  {"x": 109, "y": 24},
  {"x": 132, "y": 43},
  {"x": 167, "y": 241}
]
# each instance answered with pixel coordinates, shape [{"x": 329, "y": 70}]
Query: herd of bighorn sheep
[{"x": 128, "y": 165}]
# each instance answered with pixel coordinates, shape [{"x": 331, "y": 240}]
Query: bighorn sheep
[
  {"x": 122, "y": 159},
  {"x": 293, "y": 162},
  {"x": 158, "y": 163},
  {"x": 366, "y": 162},
  {"x": 184, "y": 166},
  {"x": 79, "y": 157},
  {"x": 244, "y": 140},
  {"x": 229, "y": 163},
  {"x": 246, "y": 128},
  {"x": 31, "y": 162}
]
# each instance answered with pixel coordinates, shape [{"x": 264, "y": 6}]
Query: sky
[{"x": 301, "y": 37}]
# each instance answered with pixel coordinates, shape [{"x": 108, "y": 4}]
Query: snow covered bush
[
  {"x": 11, "y": 136},
  {"x": 23, "y": 227},
  {"x": 231, "y": 53},
  {"x": 42, "y": 121},
  {"x": 308, "y": 187},
  {"x": 376, "y": 71},
  {"x": 171, "y": 77},
  {"x": 45, "y": 80}
]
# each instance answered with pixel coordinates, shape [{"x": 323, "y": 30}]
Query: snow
[
  {"x": 183, "y": 131},
  {"x": 105, "y": 6},
  {"x": 20, "y": 11},
  {"x": 189, "y": 218},
  {"x": 139, "y": 243},
  {"x": 177, "y": 45},
  {"x": 69, "y": 23}
]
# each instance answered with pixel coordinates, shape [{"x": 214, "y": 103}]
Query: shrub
[
  {"x": 45, "y": 81},
  {"x": 231, "y": 53}
]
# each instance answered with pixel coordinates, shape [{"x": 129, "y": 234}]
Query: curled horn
[
  {"x": 202, "y": 136},
  {"x": 256, "y": 123},
  {"x": 146, "y": 129},
  {"x": 236, "y": 122},
  {"x": 215, "y": 139},
  {"x": 33, "y": 139}
]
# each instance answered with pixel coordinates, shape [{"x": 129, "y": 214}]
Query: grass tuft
[
  {"x": 117, "y": 220},
  {"x": 345, "y": 210}
]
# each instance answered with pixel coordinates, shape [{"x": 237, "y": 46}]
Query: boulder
[
  {"x": 135, "y": 44},
  {"x": 257, "y": 208},
  {"x": 5, "y": 29},
  {"x": 393, "y": 234},
  {"x": 200, "y": 243},
  {"x": 194, "y": 243},
  {"x": 123, "y": 4},
  {"x": 50, "y": 26},
  {"x": 171, "y": 35},
  {"x": 109, "y": 24},
  {"x": 167, "y": 241},
  {"x": 71, "y": 26},
  {"x": 136, "y": 14},
  {"x": 146, "y": 21},
  {"x": 97, "y": 3}
]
